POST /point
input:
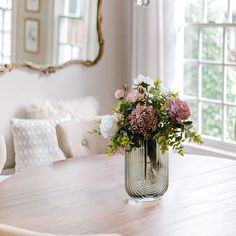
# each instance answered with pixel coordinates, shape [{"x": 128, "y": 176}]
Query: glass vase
[{"x": 146, "y": 172}]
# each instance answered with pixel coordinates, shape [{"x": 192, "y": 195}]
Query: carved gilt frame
[{"x": 53, "y": 69}]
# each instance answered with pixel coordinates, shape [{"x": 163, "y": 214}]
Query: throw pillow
[
  {"x": 35, "y": 143},
  {"x": 77, "y": 109},
  {"x": 75, "y": 141}
]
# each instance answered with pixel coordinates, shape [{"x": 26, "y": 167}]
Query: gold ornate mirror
[{"x": 47, "y": 35}]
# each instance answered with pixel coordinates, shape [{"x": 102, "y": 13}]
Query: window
[
  {"x": 71, "y": 31},
  {"x": 210, "y": 67},
  {"x": 5, "y": 31}
]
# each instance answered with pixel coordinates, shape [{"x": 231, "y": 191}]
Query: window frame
[
  {"x": 3, "y": 32},
  {"x": 200, "y": 62}
]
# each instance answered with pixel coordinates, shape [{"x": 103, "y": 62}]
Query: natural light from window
[
  {"x": 5, "y": 31},
  {"x": 210, "y": 67}
]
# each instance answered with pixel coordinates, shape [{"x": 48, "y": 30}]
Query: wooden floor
[{"x": 87, "y": 195}]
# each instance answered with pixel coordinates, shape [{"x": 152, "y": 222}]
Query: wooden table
[{"x": 87, "y": 195}]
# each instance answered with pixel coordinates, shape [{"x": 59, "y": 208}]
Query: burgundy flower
[
  {"x": 143, "y": 120},
  {"x": 178, "y": 110}
]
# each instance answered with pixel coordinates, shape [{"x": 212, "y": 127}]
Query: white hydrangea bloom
[
  {"x": 108, "y": 126},
  {"x": 142, "y": 78}
]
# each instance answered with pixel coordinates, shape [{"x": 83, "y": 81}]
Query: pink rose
[
  {"x": 134, "y": 96},
  {"x": 178, "y": 110},
  {"x": 119, "y": 94}
]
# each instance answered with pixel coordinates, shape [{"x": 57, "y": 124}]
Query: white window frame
[
  {"x": 3, "y": 32},
  {"x": 211, "y": 142}
]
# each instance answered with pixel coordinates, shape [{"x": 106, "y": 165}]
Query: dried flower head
[{"x": 143, "y": 120}]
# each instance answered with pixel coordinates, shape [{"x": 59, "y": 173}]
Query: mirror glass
[{"x": 48, "y": 32}]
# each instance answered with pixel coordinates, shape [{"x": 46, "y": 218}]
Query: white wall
[{"x": 20, "y": 87}]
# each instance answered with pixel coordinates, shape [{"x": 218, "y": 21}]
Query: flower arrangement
[{"x": 147, "y": 113}]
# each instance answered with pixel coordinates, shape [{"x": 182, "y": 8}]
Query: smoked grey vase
[{"x": 146, "y": 172}]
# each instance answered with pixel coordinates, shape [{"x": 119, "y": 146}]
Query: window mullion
[
  {"x": 224, "y": 122},
  {"x": 200, "y": 80}
]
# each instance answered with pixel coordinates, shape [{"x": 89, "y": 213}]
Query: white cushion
[
  {"x": 35, "y": 143},
  {"x": 75, "y": 141},
  {"x": 77, "y": 109},
  {"x": 3, "y": 152}
]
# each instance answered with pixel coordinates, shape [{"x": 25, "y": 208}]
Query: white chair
[
  {"x": 3, "y": 152},
  {"x": 6, "y": 230}
]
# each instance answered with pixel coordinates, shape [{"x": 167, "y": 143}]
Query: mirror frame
[{"x": 53, "y": 69}]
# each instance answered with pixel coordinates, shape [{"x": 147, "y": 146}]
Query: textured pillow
[
  {"x": 35, "y": 143},
  {"x": 76, "y": 109},
  {"x": 75, "y": 141}
]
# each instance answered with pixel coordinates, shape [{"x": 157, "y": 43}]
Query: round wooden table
[{"x": 87, "y": 195}]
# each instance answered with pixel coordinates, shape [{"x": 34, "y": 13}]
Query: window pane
[
  {"x": 212, "y": 120},
  {"x": 5, "y": 3},
  {"x": 6, "y": 60},
  {"x": 212, "y": 43},
  {"x": 73, "y": 5},
  {"x": 7, "y": 45},
  {"x": 231, "y": 83},
  {"x": 78, "y": 32},
  {"x": 217, "y": 11},
  {"x": 1, "y": 42},
  {"x": 191, "y": 42},
  {"x": 190, "y": 79},
  {"x": 212, "y": 82},
  {"x": 193, "y": 11},
  {"x": 7, "y": 21},
  {"x": 1, "y": 17},
  {"x": 71, "y": 31},
  {"x": 63, "y": 30},
  {"x": 231, "y": 120},
  {"x": 233, "y": 5},
  {"x": 194, "y": 112},
  {"x": 75, "y": 8},
  {"x": 231, "y": 44},
  {"x": 76, "y": 53},
  {"x": 65, "y": 53}
]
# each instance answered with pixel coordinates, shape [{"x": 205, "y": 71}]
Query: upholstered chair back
[{"x": 3, "y": 152}]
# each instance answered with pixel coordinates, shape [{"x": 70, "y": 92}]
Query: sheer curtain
[{"x": 158, "y": 36}]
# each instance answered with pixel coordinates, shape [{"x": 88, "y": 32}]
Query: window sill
[{"x": 208, "y": 150}]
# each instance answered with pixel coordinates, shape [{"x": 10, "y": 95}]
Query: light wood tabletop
[{"x": 87, "y": 195}]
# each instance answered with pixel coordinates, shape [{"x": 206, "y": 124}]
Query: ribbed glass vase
[{"x": 146, "y": 172}]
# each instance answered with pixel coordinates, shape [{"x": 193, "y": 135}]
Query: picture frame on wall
[
  {"x": 32, "y": 35},
  {"x": 32, "y": 5}
]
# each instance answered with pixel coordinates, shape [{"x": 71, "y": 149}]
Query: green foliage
[
  {"x": 167, "y": 133},
  {"x": 94, "y": 132}
]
